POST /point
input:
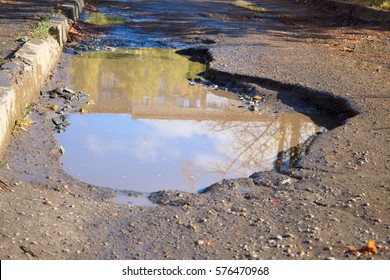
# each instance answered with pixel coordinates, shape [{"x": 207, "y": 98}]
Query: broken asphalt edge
[{"x": 22, "y": 78}]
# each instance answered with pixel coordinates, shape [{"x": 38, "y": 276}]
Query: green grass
[
  {"x": 4, "y": 165},
  {"x": 248, "y": 5},
  {"x": 3, "y": 61},
  {"x": 41, "y": 30}
]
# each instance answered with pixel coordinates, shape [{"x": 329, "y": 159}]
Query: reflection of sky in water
[{"x": 144, "y": 155}]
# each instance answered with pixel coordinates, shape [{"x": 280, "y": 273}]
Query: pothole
[{"x": 148, "y": 126}]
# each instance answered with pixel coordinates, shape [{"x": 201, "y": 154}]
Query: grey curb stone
[
  {"x": 21, "y": 78},
  {"x": 59, "y": 29},
  {"x": 71, "y": 11}
]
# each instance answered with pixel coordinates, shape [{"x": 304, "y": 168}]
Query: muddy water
[{"x": 150, "y": 129}]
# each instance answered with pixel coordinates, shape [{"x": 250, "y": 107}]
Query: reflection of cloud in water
[
  {"x": 236, "y": 146},
  {"x": 101, "y": 146},
  {"x": 146, "y": 148},
  {"x": 169, "y": 129}
]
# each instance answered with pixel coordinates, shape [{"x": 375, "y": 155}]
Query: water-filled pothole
[{"x": 151, "y": 129}]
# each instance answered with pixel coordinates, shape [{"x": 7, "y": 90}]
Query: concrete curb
[
  {"x": 357, "y": 10},
  {"x": 72, "y": 9},
  {"x": 22, "y": 78}
]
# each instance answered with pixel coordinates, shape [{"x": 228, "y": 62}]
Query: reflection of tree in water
[
  {"x": 191, "y": 173},
  {"x": 288, "y": 158},
  {"x": 255, "y": 145}
]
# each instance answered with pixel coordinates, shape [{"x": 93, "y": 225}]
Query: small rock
[
  {"x": 200, "y": 242},
  {"x": 320, "y": 202},
  {"x": 253, "y": 255},
  {"x": 288, "y": 235},
  {"x": 191, "y": 225},
  {"x": 57, "y": 120},
  {"x": 69, "y": 91},
  {"x": 277, "y": 237},
  {"x": 66, "y": 122}
]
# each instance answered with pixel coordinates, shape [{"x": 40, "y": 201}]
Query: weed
[
  {"x": 24, "y": 122},
  {"x": 4, "y": 165},
  {"x": 22, "y": 38},
  {"x": 41, "y": 30},
  {"x": 248, "y": 5},
  {"x": 3, "y": 61}
]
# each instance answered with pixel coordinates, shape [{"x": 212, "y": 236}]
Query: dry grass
[
  {"x": 384, "y": 4},
  {"x": 248, "y": 5},
  {"x": 24, "y": 122}
]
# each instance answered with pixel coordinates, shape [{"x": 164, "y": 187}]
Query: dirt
[{"x": 336, "y": 197}]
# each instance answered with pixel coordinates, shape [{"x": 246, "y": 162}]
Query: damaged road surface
[{"x": 331, "y": 204}]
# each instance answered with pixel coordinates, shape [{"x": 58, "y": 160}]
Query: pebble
[
  {"x": 277, "y": 237},
  {"x": 253, "y": 255},
  {"x": 200, "y": 242},
  {"x": 288, "y": 235},
  {"x": 265, "y": 248},
  {"x": 191, "y": 225}
]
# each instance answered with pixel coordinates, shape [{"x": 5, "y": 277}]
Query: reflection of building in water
[
  {"x": 146, "y": 84},
  {"x": 215, "y": 102},
  {"x": 109, "y": 96}
]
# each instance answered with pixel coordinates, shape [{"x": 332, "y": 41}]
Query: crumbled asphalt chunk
[{"x": 270, "y": 179}]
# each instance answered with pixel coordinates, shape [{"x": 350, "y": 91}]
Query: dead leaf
[
  {"x": 53, "y": 107},
  {"x": 275, "y": 201},
  {"x": 370, "y": 249},
  {"x": 115, "y": 214}
]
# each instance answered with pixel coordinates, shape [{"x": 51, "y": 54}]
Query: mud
[{"x": 336, "y": 196}]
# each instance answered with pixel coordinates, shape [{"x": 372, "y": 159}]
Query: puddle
[
  {"x": 150, "y": 129},
  {"x": 133, "y": 200}
]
